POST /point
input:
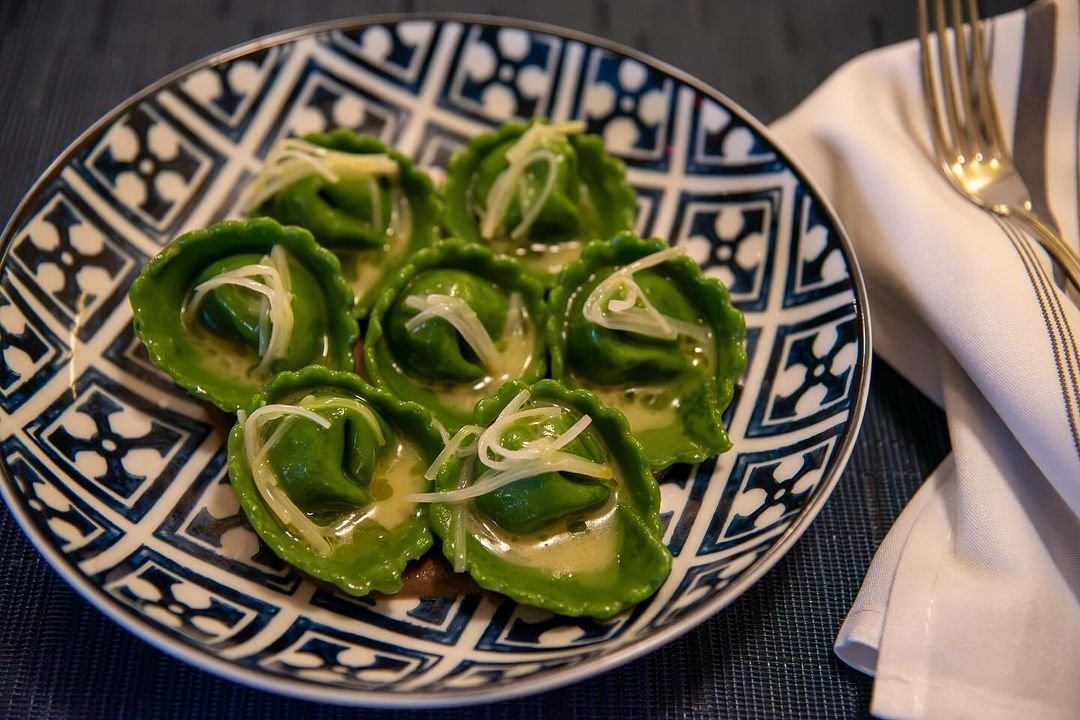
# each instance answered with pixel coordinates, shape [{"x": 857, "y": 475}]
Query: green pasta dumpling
[
  {"x": 546, "y": 497},
  {"x": 368, "y": 204},
  {"x": 222, "y": 309},
  {"x": 325, "y": 467},
  {"x": 636, "y": 322},
  {"x": 538, "y": 193},
  {"x": 453, "y": 326}
]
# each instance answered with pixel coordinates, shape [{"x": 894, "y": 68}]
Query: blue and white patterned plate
[{"x": 119, "y": 477}]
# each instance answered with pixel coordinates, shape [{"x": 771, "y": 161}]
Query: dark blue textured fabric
[{"x": 768, "y": 655}]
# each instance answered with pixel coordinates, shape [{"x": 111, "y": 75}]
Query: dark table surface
[{"x": 64, "y": 63}]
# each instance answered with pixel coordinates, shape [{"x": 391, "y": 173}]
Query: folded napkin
[{"x": 971, "y": 607}]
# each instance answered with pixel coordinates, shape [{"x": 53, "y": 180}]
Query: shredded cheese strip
[
  {"x": 532, "y": 206},
  {"x": 293, "y": 159},
  {"x": 519, "y": 157},
  {"x": 312, "y": 403},
  {"x": 490, "y": 447},
  {"x": 401, "y": 219},
  {"x": 441, "y": 429},
  {"x": 455, "y": 447},
  {"x": 277, "y": 500},
  {"x": 460, "y": 536},
  {"x": 506, "y": 466},
  {"x": 515, "y": 317},
  {"x": 463, "y": 318},
  {"x": 279, "y": 260},
  {"x": 633, "y": 312},
  {"x": 493, "y": 480},
  {"x": 317, "y": 537},
  {"x": 276, "y": 315}
]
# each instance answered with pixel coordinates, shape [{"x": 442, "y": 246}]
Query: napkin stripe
[
  {"x": 1062, "y": 342},
  {"x": 1060, "y": 334},
  {"x": 1068, "y": 376},
  {"x": 1033, "y": 111}
]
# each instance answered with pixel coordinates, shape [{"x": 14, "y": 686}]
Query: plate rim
[{"x": 570, "y": 674}]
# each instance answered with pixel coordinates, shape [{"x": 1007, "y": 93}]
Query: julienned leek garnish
[
  {"x": 277, "y": 500},
  {"x": 464, "y": 319},
  {"x": 511, "y": 180},
  {"x": 504, "y": 465},
  {"x": 270, "y": 279},
  {"x": 317, "y": 537},
  {"x": 619, "y": 303},
  {"x": 293, "y": 159}
]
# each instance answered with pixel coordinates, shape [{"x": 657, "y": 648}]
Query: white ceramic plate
[{"x": 119, "y": 477}]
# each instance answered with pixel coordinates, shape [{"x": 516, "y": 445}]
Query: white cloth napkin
[{"x": 971, "y": 607}]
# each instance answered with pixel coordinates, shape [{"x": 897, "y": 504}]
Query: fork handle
[{"x": 1065, "y": 256}]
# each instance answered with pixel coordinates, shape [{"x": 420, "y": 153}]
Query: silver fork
[{"x": 968, "y": 141}]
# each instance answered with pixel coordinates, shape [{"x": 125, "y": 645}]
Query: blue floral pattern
[
  {"x": 77, "y": 530},
  {"x": 72, "y": 263},
  {"x": 722, "y": 141},
  {"x": 226, "y": 94},
  {"x": 191, "y": 606},
  {"x": 322, "y": 100},
  {"x": 631, "y": 106},
  {"x": 151, "y": 167},
  {"x": 396, "y": 52},
  {"x": 733, "y": 237},
  {"x": 323, "y": 654},
  {"x": 115, "y": 444},
  {"x": 30, "y": 353},
  {"x": 504, "y": 73}
]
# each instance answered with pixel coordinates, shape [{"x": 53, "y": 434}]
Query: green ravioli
[
  {"x": 421, "y": 355},
  {"x": 331, "y": 497},
  {"x": 221, "y": 347},
  {"x": 537, "y": 192},
  {"x": 576, "y": 529},
  {"x": 373, "y": 223},
  {"x": 672, "y": 389}
]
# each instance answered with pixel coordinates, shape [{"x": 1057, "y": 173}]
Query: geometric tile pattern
[
  {"x": 72, "y": 262},
  {"x": 817, "y": 267},
  {"x": 325, "y": 654},
  {"x": 810, "y": 373},
  {"x": 435, "y": 618},
  {"x": 766, "y": 489},
  {"x": 720, "y": 140},
  {"x": 396, "y": 52},
  {"x": 503, "y": 74},
  {"x": 151, "y": 168},
  {"x": 114, "y": 444},
  {"x": 227, "y": 94},
  {"x": 322, "y": 100},
  {"x": 121, "y": 477},
  {"x": 523, "y": 629},
  {"x": 631, "y": 106},
  {"x": 190, "y": 605},
  {"x": 207, "y": 523},
  {"x": 75, "y": 528},
  {"x": 30, "y": 353},
  {"x": 733, "y": 236}
]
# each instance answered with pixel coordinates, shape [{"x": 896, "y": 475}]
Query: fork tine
[
  {"x": 988, "y": 113},
  {"x": 967, "y": 139},
  {"x": 937, "y": 134},
  {"x": 948, "y": 91}
]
